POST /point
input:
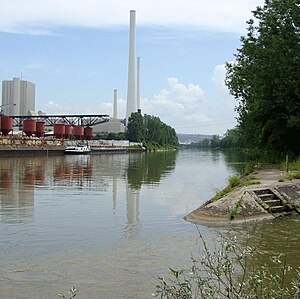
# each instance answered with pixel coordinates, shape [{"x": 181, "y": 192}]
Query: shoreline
[
  {"x": 55, "y": 150},
  {"x": 247, "y": 203}
]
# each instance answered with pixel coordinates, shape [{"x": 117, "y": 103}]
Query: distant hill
[{"x": 189, "y": 138}]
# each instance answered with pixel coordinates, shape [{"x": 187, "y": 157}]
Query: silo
[
  {"x": 6, "y": 125},
  {"x": 29, "y": 127},
  {"x": 68, "y": 131},
  {"x": 59, "y": 130},
  {"x": 88, "y": 133},
  {"x": 40, "y": 128},
  {"x": 78, "y": 132}
]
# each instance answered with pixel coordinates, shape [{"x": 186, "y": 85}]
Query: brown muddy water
[{"x": 109, "y": 223}]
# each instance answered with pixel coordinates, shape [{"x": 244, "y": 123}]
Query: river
[{"x": 109, "y": 224}]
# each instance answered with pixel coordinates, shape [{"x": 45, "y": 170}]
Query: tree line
[
  {"x": 151, "y": 131},
  {"x": 265, "y": 80}
]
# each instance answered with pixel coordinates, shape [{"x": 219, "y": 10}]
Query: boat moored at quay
[{"x": 78, "y": 149}]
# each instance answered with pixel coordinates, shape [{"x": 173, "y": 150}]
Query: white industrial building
[
  {"x": 18, "y": 97},
  {"x": 114, "y": 125}
]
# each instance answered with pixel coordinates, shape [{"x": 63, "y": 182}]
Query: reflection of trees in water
[
  {"x": 235, "y": 159},
  {"x": 149, "y": 168}
]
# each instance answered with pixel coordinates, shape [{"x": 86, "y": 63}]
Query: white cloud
[
  {"x": 107, "y": 108},
  {"x": 177, "y": 104},
  {"x": 186, "y": 107},
  {"x": 40, "y": 17},
  {"x": 222, "y": 90},
  {"x": 53, "y": 108}
]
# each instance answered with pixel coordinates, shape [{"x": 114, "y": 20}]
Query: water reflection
[
  {"x": 75, "y": 171},
  {"x": 149, "y": 168},
  {"x": 132, "y": 212},
  {"x": 17, "y": 182},
  {"x": 94, "y": 214}
]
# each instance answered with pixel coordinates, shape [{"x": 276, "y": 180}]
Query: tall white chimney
[
  {"x": 131, "y": 89},
  {"x": 115, "y": 111},
  {"x": 138, "y": 93}
]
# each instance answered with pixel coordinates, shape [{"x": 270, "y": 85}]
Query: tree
[
  {"x": 265, "y": 78},
  {"x": 135, "y": 128},
  {"x": 231, "y": 139},
  {"x": 151, "y": 131}
]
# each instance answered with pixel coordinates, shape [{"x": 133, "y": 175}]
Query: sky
[{"x": 76, "y": 52}]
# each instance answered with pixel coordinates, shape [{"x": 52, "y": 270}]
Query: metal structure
[{"x": 74, "y": 120}]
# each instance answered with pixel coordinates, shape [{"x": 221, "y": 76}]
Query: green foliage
[
  {"x": 71, "y": 293},
  {"x": 151, "y": 131},
  {"x": 231, "y": 140},
  {"x": 100, "y": 136},
  {"x": 295, "y": 165},
  {"x": 225, "y": 272},
  {"x": 239, "y": 181},
  {"x": 135, "y": 128},
  {"x": 110, "y": 136},
  {"x": 250, "y": 168},
  {"x": 265, "y": 78},
  {"x": 234, "y": 181},
  {"x": 116, "y": 136},
  {"x": 235, "y": 210}
]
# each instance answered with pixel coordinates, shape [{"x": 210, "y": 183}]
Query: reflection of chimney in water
[
  {"x": 115, "y": 189},
  {"x": 132, "y": 206}
]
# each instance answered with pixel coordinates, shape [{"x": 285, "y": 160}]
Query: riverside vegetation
[{"x": 151, "y": 131}]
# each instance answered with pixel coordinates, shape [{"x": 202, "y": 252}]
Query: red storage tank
[
  {"x": 6, "y": 125},
  {"x": 59, "y": 130},
  {"x": 78, "y": 132},
  {"x": 88, "y": 133},
  {"x": 0, "y": 123},
  {"x": 40, "y": 128},
  {"x": 68, "y": 131},
  {"x": 29, "y": 126}
]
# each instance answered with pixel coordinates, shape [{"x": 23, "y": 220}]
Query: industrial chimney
[
  {"x": 131, "y": 89},
  {"x": 115, "y": 111},
  {"x": 138, "y": 95}
]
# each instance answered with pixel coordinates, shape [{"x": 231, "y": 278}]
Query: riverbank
[
  {"x": 13, "y": 146},
  {"x": 269, "y": 194}
]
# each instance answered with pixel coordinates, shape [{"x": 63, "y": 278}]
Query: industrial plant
[{"x": 21, "y": 126}]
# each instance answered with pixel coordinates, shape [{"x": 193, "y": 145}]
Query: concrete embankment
[
  {"x": 8, "y": 151},
  {"x": 271, "y": 196}
]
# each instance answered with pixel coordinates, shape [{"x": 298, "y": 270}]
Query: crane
[{"x": 5, "y": 105}]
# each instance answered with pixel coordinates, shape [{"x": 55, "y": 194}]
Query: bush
[{"x": 224, "y": 273}]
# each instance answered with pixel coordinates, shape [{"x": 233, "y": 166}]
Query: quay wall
[{"x": 11, "y": 147}]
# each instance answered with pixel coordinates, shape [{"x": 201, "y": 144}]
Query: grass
[
  {"x": 237, "y": 181},
  {"x": 293, "y": 170}
]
